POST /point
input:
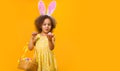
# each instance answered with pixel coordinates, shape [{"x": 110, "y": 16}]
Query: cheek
[
  {"x": 50, "y": 27},
  {"x": 43, "y": 27}
]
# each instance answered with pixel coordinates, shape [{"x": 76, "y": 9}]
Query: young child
[{"x": 43, "y": 41}]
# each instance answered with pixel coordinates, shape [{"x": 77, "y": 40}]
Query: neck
[{"x": 43, "y": 33}]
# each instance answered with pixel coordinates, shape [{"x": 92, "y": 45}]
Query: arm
[
  {"x": 51, "y": 43},
  {"x": 31, "y": 43}
]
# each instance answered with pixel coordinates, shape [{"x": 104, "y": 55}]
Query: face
[{"x": 46, "y": 26}]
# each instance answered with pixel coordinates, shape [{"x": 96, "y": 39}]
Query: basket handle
[{"x": 25, "y": 48}]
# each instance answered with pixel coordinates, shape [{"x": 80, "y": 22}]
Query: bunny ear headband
[{"x": 42, "y": 9}]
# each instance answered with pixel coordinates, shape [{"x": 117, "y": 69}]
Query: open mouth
[{"x": 47, "y": 29}]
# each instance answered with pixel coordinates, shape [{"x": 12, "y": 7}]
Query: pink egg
[{"x": 49, "y": 33}]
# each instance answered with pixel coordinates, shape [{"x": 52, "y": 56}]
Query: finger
[
  {"x": 52, "y": 35},
  {"x": 34, "y": 33},
  {"x": 49, "y": 36}
]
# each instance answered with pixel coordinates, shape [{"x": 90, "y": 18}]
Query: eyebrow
[{"x": 46, "y": 23}]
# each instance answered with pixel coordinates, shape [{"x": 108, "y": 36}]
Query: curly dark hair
[{"x": 39, "y": 21}]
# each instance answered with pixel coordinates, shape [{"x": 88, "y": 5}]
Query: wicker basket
[{"x": 27, "y": 63}]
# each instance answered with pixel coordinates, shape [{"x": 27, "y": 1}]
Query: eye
[
  {"x": 49, "y": 24},
  {"x": 44, "y": 24}
]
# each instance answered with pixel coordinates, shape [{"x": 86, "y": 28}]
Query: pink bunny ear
[
  {"x": 41, "y": 7},
  {"x": 51, "y": 7}
]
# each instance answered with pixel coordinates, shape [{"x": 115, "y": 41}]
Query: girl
[{"x": 43, "y": 42}]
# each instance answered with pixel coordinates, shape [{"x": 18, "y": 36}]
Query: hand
[
  {"x": 50, "y": 36},
  {"x": 34, "y": 35}
]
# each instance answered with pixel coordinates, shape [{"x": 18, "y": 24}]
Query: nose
[{"x": 46, "y": 26}]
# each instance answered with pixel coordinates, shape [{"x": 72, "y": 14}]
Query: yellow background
[{"x": 87, "y": 33}]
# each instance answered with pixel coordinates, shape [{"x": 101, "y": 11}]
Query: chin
[{"x": 46, "y": 31}]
